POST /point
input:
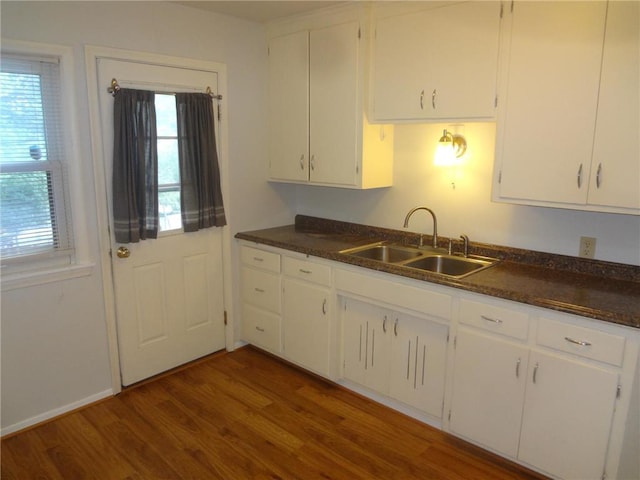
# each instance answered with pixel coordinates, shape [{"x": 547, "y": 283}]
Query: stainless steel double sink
[{"x": 423, "y": 258}]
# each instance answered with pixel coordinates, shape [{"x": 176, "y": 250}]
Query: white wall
[
  {"x": 468, "y": 209},
  {"x": 54, "y": 342}
]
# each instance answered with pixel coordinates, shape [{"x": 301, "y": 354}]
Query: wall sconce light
[{"x": 451, "y": 147}]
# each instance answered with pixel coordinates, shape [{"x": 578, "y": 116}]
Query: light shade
[{"x": 450, "y": 148}]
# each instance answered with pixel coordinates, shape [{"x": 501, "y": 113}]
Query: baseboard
[{"x": 56, "y": 412}]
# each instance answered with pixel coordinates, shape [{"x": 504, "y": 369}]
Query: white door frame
[{"x": 92, "y": 54}]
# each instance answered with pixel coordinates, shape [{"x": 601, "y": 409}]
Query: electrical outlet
[{"x": 587, "y": 247}]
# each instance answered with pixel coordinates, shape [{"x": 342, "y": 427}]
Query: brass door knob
[{"x": 123, "y": 252}]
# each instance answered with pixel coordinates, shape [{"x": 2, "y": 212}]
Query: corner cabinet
[
  {"x": 568, "y": 130},
  {"x": 437, "y": 64},
  {"x": 318, "y": 131}
]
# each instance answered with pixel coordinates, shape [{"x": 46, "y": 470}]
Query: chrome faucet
[
  {"x": 435, "y": 224},
  {"x": 465, "y": 247}
]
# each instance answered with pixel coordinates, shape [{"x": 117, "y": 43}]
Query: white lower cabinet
[
  {"x": 306, "y": 313},
  {"x": 418, "y": 360},
  {"x": 395, "y": 354},
  {"x": 488, "y": 390},
  {"x": 541, "y": 391},
  {"x": 261, "y": 299},
  {"x": 567, "y": 416}
]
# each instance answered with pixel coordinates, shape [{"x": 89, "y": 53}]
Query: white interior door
[{"x": 169, "y": 291}]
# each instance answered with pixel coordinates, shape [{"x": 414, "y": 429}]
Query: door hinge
[
  {"x": 495, "y": 102},
  {"x": 501, "y": 9},
  {"x": 618, "y": 391},
  {"x": 449, "y": 416},
  {"x": 225, "y": 317},
  {"x": 500, "y": 177},
  {"x": 111, "y": 253},
  {"x": 512, "y": 6},
  {"x": 359, "y": 33}
]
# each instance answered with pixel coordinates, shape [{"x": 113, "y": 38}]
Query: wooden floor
[{"x": 243, "y": 415}]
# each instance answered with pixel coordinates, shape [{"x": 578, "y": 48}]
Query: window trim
[{"x": 28, "y": 271}]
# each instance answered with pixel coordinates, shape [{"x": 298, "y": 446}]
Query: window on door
[{"x": 168, "y": 163}]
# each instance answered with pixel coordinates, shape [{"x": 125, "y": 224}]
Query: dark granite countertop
[{"x": 600, "y": 290}]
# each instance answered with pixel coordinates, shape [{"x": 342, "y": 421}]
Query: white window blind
[{"x": 34, "y": 208}]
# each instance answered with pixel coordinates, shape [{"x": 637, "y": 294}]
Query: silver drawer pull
[
  {"x": 258, "y": 259},
  {"x": 260, "y": 329},
  {"x": 259, "y": 290},
  {"x": 535, "y": 372},
  {"x": 518, "y": 368},
  {"x": 302, "y": 270},
  {"x": 489, "y": 319},
  {"x": 578, "y": 342}
]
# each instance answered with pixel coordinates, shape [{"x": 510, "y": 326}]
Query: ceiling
[{"x": 259, "y": 11}]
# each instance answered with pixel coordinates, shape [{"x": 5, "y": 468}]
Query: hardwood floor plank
[{"x": 244, "y": 415}]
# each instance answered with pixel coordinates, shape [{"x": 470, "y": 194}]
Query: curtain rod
[{"x": 114, "y": 88}]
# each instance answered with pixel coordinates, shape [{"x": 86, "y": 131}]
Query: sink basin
[
  {"x": 385, "y": 253},
  {"x": 425, "y": 259},
  {"x": 450, "y": 265}
]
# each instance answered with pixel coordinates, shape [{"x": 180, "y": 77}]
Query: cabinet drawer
[
  {"x": 260, "y": 258},
  {"x": 504, "y": 321},
  {"x": 585, "y": 342},
  {"x": 306, "y": 270},
  {"x": 261, "y": 289},
  {"x": 261, "y": 328}
]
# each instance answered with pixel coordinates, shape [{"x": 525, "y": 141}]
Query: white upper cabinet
[
  {"x": 289, "y": 107},
  {"x": 568, "y": 110},
  {"x": 318, "y": 131},
  {"x": 615, "y": 169},
  {"x": 437, "y": 64}
]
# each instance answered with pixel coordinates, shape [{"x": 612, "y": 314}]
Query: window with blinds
[{"x": 34, "y": 208}]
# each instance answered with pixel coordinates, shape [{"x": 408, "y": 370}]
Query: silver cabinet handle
[
  {"x": 492, "y": 320},
  {"x": 360, "y": 346},
  {"x": 313, "y": 162},
  {"x": 599, "y": 176},
  {"x": 384, "y": 324},
  {"x": 302, "y": 162},
  {"x": 433, "y": 99},
  {"x": 258, "y": 259},
  {"x": 535, "y": 372},
  {"x": 580, "y": 176},
  {"x": 324, "y": 306},
  {"x": 259, "y": 290},
  {"x": 518, "y": 368},
  {"x": 582, "y": 343},
  {"x": 424, "y": 360},
  {"x": 408, "y": 358},
  {"x": 422, "y": 100},
  {"x": 395, "y": 327},
  {"x": 302, "y": 270},
  {"x": 260, "y": 329}
]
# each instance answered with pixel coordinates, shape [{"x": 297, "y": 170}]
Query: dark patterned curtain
[
  {"x": 135, "y": 166},
  {"x": 201, "y": 197}
]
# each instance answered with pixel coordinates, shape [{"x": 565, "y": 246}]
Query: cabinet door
[
  {"x": 289, "y": 107},
  {"x": 488, "y": 390},
  {"x": 400, "y": 75},
  {"x": 366, "y": 345},
  {"x": 333, "y": 99},
  {"x": 418, "y": 360},
  {"x": 567, "y": 416},
  {"x": 462, "y": 41},
  {"x": 550, "y": 95},
  {"x": 306, "y": 324},
  {"x": 615, "y": 170},
  {"x": 439, "y": 63}
]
